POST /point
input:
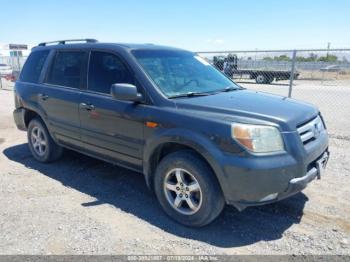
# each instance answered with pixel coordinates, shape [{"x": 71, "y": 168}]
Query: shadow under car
[{"x": 127, "y": 190}]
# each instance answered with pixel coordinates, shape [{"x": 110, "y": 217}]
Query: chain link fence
[{"x": 320, "y": 77}]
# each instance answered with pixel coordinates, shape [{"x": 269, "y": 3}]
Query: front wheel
[
  {"x": 260, "y": 79},
  {"x": 41, "y": 144},
  {"x": 187, "y": 189}
]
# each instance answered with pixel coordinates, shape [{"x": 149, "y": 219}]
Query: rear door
[
  {"x": 110, "y": 128},
  {"x": 29, "y": 84},
  {"x": 60, "y": 97}
]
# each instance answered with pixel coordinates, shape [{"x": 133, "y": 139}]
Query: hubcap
[
  {"x": 260, "y": 78},
  {"x": 182, "y": 191},
  {"x": 38, "y": 140}
]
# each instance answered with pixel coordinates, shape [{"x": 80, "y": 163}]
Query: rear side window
[
  {"x": 66, "y": 69},
  {"x": 33, "y": 66},
  {"x": 106, "y": 69}
]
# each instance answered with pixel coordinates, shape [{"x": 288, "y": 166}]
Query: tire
[
  {"x": 40, "y": 142},
  {"x": 260, "y": 79},
  {"x": 269, "y": 80},
  {"x": 200, "y": 187}
]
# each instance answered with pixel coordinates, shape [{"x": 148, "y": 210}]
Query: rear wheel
[
  {"x": 41, "y": 144},
  {"x": 187, "y": 189}
]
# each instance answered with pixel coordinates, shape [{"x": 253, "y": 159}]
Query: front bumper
[{"x": 251, "y": 181}]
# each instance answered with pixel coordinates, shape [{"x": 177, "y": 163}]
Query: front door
[{"x": 110, "y": 128}]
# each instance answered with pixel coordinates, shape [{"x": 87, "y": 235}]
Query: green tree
[
  {"x": 267, "y": 58},
  {"x": 311, "y": 58},
  {"x": 282, "y": 58},
  {"x": 328, "y": 58}
]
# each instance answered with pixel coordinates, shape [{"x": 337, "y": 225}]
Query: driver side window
[{"x": 106, "y": 69}]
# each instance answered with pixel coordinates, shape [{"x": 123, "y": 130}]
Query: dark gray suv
[{"x": 200, "y": 140}]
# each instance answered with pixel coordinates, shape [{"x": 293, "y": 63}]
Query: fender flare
[
  {"x": 41, "y": 113},
  {"x": 198, "y": 142}
]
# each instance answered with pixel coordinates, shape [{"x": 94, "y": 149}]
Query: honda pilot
[{"x": 200, "y": 140}]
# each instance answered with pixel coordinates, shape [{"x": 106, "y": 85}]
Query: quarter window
[
  {"x": 66, "y": 69},
  {"x": 33, "y": 66},
  {"x": 106, "y": 69}
]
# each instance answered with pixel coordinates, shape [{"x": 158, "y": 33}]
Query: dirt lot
[{"x": 79, "y": 205}]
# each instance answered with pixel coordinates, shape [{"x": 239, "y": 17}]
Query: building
[
  {"x": 14, "y": 50},
  {"x": 14, "y": 55}
]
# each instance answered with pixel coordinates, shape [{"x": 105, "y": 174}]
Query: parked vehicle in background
[
  {"x": 200, "y": 140},
  {"x": 334, "y": 68},
  {"x": 229, "y": 65},
  {"x": 5, "y": 70},
  {"x": 13, "y": 76}
]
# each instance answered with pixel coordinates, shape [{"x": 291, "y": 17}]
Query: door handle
[
  {"x": 87, "y": 107},
  {"x": 43, "y": 96}
]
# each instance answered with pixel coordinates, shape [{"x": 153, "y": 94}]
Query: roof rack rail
[{"x": 63, "y": 42}]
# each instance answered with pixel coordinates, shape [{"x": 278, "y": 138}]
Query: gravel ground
[{"x": 80, "y": 205}]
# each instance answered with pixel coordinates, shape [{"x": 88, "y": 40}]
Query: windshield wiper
[
  {"x": 192, "y": 94},
  {"x": 229, "y": 88},
  {"x": 189, "y": 94}
]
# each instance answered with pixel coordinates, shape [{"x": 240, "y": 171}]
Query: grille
[{"x": 311, "y": 130}]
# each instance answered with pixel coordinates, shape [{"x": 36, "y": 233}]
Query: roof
[{"x": 91, "y": 44}]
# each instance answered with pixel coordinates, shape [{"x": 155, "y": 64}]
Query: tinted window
[
  {"x": 106, "y": 69},
  {"x": 66, "y": 69},
  {"x": 33, "y": 66}
]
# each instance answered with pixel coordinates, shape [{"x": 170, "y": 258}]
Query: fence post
[{"x": 292, "y": 73}]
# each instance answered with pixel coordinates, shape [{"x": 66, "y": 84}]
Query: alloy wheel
[
  {"x": 182, "y": 191},
  {"x": 39, "y": 141}
]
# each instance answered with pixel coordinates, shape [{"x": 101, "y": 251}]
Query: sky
[{"x": 191, "y": 24}]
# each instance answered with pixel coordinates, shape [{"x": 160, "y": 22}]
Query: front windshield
[{"x": 179, "y": 73}]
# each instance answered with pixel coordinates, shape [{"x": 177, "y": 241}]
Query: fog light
[{"x": 269, "y": 197}]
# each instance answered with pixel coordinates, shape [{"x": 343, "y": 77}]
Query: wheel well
[
  {"x": 165, "y": 149},
  {"x": 29, "y": 115}
]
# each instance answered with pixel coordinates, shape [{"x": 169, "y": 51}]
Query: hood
[{"x": 286, "y": 112}]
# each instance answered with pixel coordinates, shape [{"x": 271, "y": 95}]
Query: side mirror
[{"x": 125, "y": 92}]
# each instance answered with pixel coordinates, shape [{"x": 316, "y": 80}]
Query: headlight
[{"x": 258, "y": 138}]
